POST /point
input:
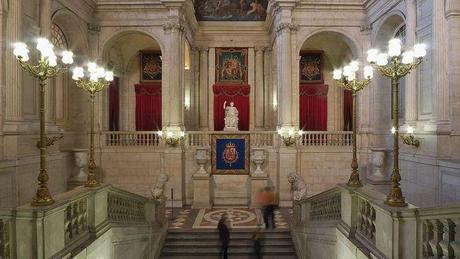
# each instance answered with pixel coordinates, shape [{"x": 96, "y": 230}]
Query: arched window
[
  {"x": 400, "y": 33},
  {"x": 59, "y": 85},
  {"x": 57, "y": 37}
]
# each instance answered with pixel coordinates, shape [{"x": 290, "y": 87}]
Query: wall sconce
[
  {"x": 410, "y": 139},
  {"x": 289, "y": 135},
  {"x": 172, "y": 137}
]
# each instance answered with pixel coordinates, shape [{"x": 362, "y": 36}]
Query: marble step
[
  {"x": 233, "y": 243},
  {"x": 231, "y": 251},
  {"x": 248, "y": 256}
]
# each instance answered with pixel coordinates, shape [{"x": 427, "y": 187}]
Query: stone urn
[
  {"x": 202, "y": 157},
  {"x": 258, "y": 158},
  {"x": 81, "y": 162},
  {"x": 378, "y": 165}
]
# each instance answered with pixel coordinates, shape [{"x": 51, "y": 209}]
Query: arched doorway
[
  {"x": 134, "y": 99},
  {"x": 322, "y": 105}
]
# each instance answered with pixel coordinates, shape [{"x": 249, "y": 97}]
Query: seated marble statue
[
  {"x": 231, "y": 116},
  {"x": 298, "y": 186},
  {"x": 158, "y": 190}
]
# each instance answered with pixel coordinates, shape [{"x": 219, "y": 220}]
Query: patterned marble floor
[{"x": 240, "y": 218}]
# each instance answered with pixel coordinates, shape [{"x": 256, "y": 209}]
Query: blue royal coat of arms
[{"x": 230, "y": 154}]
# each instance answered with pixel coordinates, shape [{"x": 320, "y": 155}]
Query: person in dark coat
[
  {"x": 256, "y": 238},
  {"x": 224, "y": 235},
  {"x": 269, "y": 202}
]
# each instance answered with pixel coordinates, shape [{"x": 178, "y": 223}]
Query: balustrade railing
[
  {"x": 326, "y": 138},
  {"x": 132, "y": 138},
  {"x": 203, "y": 138},
  {"x": 440, "y": 235},
  {"x": 366, "y": 219},
  {"x": 5, "y": 248},
  {"x": 125, "y": 209},
  {"x": 76, "y": 219}
]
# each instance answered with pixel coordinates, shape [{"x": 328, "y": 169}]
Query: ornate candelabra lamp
[
  {"x": 46, "y": 67},
  {"x": 347, "y": 80},
  {"x": 401, "y": 64},
  {"x": 172, "y": 137},
  {"x": 93, "y": 81},
  {"x": 289, "y": 135}
]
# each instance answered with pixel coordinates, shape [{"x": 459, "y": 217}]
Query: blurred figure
[
  {"x": 257, "y": 239},
  {"x": 224, "y": 235},
  {"x": 269, "y": 203}
]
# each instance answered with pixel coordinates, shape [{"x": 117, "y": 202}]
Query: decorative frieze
[
  {"x": 173, "y": 26},
  {"x": 286, "y": 27}
]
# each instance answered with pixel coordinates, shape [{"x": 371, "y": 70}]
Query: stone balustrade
[
  {"x": 77, "y": 220},
  {"x": 355, "y": 223},
  {"x": 203, "y": 138},
  {"x": 5, "y": 248},
  {"x": 326, "y": 138}
]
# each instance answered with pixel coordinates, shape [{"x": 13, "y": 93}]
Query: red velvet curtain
[
  {"x": 347, "y": 110},
  {"x": 239, "y": 94},
  {"x": 313, "y": 107},
  {"x": 148, "y": 107},
  {"x": 114, "y": 105}
]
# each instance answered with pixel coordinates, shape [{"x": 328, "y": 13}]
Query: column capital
[
  {"x": 366, "y": 28},
  {"x": 259, "y": 49},
  {"x": 286, "y": 27},
  {"x": 203, "y": 49},
  {"x": 173, "y": 26},
  {"x": 93, "y": 28}
]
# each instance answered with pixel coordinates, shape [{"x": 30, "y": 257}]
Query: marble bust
[{"x": 231, "y": 117}]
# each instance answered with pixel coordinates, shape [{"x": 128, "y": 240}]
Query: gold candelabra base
[
  {"x": 354, "y": 180},
  {"x": 91, "y": 180},
  {"x": 42, "y": 196}
]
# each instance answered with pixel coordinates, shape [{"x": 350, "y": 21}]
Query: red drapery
[
  {"x": 114, "y": 105},
  {"x": 239, "y": 94},
  {"x": 347, "y": 110},
  {"x": 313, "y": 107},
  {"x": 148, "y": 107}
]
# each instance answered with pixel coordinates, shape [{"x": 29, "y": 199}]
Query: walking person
[
  {"x": 269, "y": 207},
  {"x": 257, "y": 239},
  {"x": 224, "y": 236}
]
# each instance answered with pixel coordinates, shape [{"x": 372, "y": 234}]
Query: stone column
[
  {"x": 13, "y": 71},
  {"x": 441, "y": 99},
  {"x": 174, "y": 89},
  {"x": 203, "y": 90},
  {"x": 453, "y": 30},
  {"x": 259, "y": 115},
  {"x": 284, "y": 59},
  {"x": 411, "y": 79},
  {"x": 211, "y": 81},
  {"x": 194, "y": 96},
  {"x": 268, "y": 106},
  {"x": 252, "y": 83}
]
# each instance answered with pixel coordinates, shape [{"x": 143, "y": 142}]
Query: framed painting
[
  {"x": 150, "y": 66},
  {"x": 231, "y": 65},
  {"x": 311, "y": 67},
  {"x": 230, "y": 154},
  {"x": 231, "y": 10}
]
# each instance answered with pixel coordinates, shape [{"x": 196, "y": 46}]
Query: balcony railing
[{"x": 203, "y": 138}]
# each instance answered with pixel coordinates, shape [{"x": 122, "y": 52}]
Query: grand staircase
[{"x": 205, "y": 244}]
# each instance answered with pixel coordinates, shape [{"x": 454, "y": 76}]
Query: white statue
[
  {"x": 81, "y": 161},
  {"x": 158, "y": 190},
  {"x": 298, "y": 186},
  {"x": 231, "y": 116}
]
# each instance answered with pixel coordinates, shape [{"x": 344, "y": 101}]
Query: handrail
[{"x": 83, "y": 214}]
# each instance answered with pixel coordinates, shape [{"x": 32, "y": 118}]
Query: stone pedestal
[
  {"x": 258, "y": 182},
  {"x": 201, "y": 191},
  {"x": 287, "y": 158}
]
